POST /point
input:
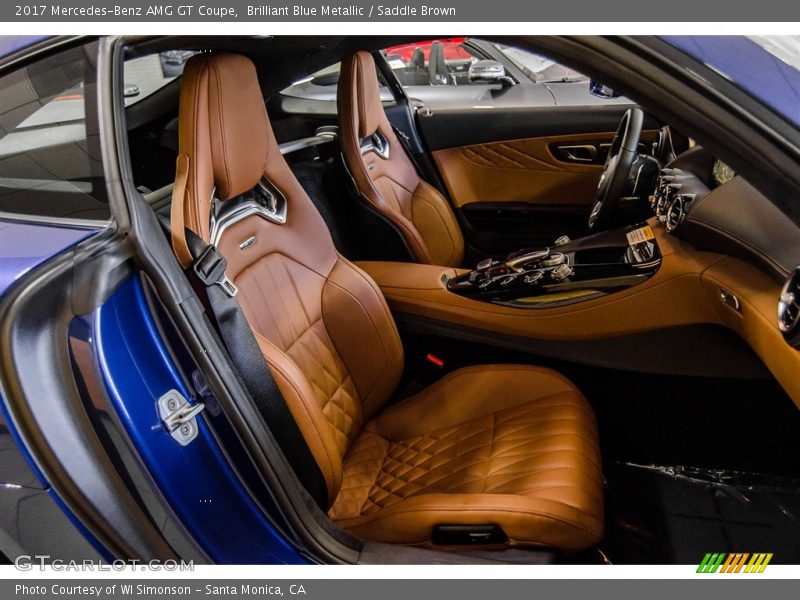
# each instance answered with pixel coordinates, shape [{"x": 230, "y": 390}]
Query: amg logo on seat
[{"x": 247, "y": 243}]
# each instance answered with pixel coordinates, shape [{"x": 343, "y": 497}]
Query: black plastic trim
[
  {"x": 468, "y": 535},
  {"x": 692, "y": 351}
]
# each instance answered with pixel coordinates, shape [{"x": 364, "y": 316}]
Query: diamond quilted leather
[
  {"x": 526, "y": 450},
  {"x": 542, "y": 451},
  {"x": 508, "y": 444},
  {"x": 294, "y": 323},
  {"x": 518, "y": 154}
]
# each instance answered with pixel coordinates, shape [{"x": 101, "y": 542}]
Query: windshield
[
  {"x": 538, "y": 68},
  {"x": 767, "y": 67}
]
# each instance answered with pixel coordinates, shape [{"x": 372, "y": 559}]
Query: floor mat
[{"x": 675, "y": 515}]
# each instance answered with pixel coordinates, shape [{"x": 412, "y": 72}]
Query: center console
[{"x": 570, "y": 271}]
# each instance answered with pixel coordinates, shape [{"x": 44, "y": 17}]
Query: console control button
[
  {"x": 562, "y": 241},
  {"x": 496, "y": 271},
  {"x": 484, "y": 264},
  {"x": 555, "y": 259},
  {"x": 533, "y": 278},
  {"x": 506, "y": 281},
  {"x": 516, "y": 262},
  {"x": 561, "y": 272}
]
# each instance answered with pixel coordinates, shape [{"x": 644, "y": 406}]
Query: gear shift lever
[{"x": 516, "y": 261}]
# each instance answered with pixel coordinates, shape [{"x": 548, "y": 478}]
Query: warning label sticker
[{"x": 643, "y": 234}]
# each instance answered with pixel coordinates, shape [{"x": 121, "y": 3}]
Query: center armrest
[
  {"x": 409, "y": 276},
  {"x": 668, "y": 299}
]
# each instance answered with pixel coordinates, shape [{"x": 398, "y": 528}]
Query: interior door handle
[{"x": 579, "y": 153}]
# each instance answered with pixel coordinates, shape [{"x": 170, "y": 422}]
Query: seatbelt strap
[
  {"x": 209, "y": 269},
  {"x": 405, "y": 142}
]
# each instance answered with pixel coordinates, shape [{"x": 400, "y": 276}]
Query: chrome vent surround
[
  {"x": 659, "y": 195},
  {"x": 789, "y": 308},
  {"x": 665, "y": 193},
  {"x": 676, "y": 213}
]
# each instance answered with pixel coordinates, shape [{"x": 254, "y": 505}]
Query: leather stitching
[{"x": 438, "y": 462}]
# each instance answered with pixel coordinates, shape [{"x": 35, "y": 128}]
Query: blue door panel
[
  {"x": 196, "y": 480},
  {"x": 24, "y": 246}
]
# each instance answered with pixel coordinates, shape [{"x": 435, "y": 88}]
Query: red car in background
[{"x": 453, "y": 49}]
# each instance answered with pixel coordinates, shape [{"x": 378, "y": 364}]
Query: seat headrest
[
  {"x": 367, "y": 92},
  {"x": 418, "y": 59},
  {"x": 221, "y": 102},
  {"x": 225, "y": 141}
]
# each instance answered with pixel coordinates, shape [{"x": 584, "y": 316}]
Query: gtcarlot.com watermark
[{"x": 45, "y": 562}]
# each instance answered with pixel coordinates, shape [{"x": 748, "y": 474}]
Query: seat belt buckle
[{"x": 210, "y": 268}]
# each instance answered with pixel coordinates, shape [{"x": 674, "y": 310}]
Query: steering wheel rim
[{"x": 619, "y": 160}]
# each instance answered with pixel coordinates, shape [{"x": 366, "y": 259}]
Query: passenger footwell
[{"x": 675, "y": 515}]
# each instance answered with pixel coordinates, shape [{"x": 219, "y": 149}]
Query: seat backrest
[
  {"x": 437, "y": 67},
  {"x": 417, "y": 59},
  {"x": 321, "y": 323},
  {"x": 384, "y": 174}
]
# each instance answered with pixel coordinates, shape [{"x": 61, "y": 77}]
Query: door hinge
[{"x": 178, "y": 416}]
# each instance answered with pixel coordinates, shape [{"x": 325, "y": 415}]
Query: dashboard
[
  {"x": 701, "y": 200},
  {"x": 722, "y": 262}
]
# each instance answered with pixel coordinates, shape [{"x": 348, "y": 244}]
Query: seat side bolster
[
  {"x": 300, "y": 399},
  {"x": 437, "y": 225},
  {"x": 363, "y": 332}
]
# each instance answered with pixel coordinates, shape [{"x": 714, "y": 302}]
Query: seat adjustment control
[{"x": 468, "y": 535}]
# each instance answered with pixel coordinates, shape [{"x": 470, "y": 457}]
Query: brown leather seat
[
  {"x": 387, "y": 180},
  {"x": 514, "y": 446}
]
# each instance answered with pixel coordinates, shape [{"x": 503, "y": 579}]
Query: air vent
[
  {"x": 674, "y": 214},
  {"x": 659, "y": 195},
  {"x": 789, "y": 309},
  {"x": 677, "y": 210}
]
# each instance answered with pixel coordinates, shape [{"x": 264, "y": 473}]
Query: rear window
[
  {"x": 50, "y": 163},
  {"x": 145, "y": 75}
]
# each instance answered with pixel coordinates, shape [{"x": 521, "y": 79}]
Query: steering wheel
[{"x": 618, "y": 164}]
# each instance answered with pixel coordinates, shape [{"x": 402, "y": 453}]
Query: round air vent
[
  {"x": 675, "y": 214},
  {"x": 677, "y": 211},
  {"x": 658, "y": 193},
  {"x": 789, "y": 308}
]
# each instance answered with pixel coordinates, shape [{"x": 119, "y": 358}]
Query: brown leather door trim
[{"x": 523, "y": 170}]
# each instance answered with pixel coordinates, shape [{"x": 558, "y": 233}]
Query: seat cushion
[{"x": 514, "y": 446}]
